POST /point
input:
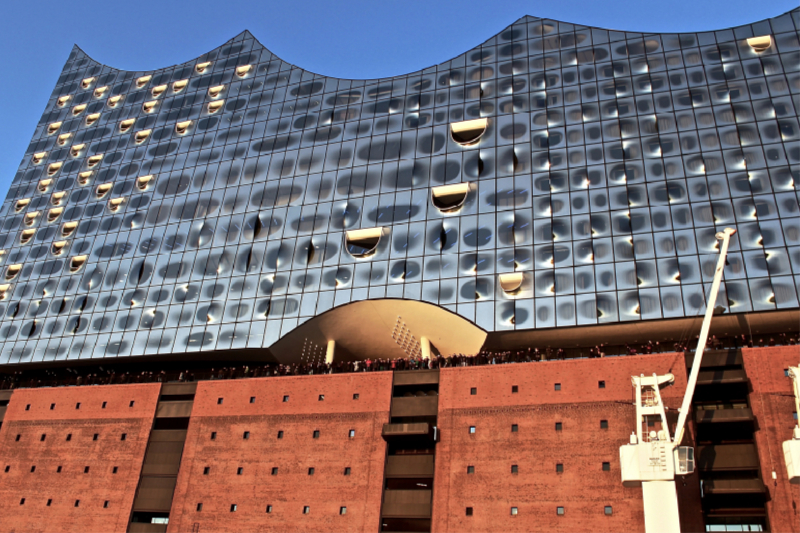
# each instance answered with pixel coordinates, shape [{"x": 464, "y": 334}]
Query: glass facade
[{"x": 207, "y": 206}]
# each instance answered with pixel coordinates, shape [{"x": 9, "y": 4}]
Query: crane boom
[{"x": 725, "y": 237}]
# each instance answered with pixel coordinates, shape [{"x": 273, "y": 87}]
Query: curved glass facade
[{"x": 220, "y": 203}]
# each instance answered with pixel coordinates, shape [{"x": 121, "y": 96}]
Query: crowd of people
[{"x": 100, "y": 376}]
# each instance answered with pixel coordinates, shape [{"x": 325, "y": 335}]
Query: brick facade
[
  {"x": 91, "y": 489},
  {"x": 772, "y": 402},
  {"x": 288, "y": 492},
  {"x": 583, "y": 489}
]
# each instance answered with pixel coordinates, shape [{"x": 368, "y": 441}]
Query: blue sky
[{"x": 348, "y": 39}]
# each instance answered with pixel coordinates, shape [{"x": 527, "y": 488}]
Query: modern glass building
[
  {"x": 555, "y": 176},
  {"x": 553, "y": 193}
]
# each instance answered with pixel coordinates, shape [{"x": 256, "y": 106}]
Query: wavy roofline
[{"x": 526, "y": 18}]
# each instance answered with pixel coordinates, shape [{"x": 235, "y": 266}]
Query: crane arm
[{"x": 725, "y": 237}]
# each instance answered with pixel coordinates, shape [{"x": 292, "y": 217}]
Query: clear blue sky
[{"x": 348, "y": 39}]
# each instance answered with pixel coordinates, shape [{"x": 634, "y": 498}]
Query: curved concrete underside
[{"x": 385, "y": 328}]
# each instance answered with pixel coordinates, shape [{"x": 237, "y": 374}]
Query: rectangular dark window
[
  {"x": 606, "y": 467},
  {"x": 19, "y": 436},
  {"x": 104, "y": 405},
  {"x": 85, "y": 469},
  {"x": 252, "y": 399},
  {"x": 355, "y": 396},
  {"x": 601, "y": 384},
  {"x": 28, "y": 407},
  {"x": 213, "y": 435},
  {"x": 347, "y": 471},
  {"x": 219, "y": 401},
  {"x": 274, "y": 470},
  {"x": 351, "y": 433},
  {"x": 514, "y": 389},
  {"x": 33, "y": 468},
  {"x": 233, "y": 507},
  {"x": 199, "y": 506},
  {"x": 7, "y": 468},
  {"x": 44, "y": 436},
  {"x": 58, "y": 470},
  {"x": 269, "y": 508},
  {"x": 115, "y": 470},
  {"x": 342, "y": 510},
  {"x": 280, "y": 434},
  {"x": 77, "y": 503},
  {"x": 469, "y": 511},
  {"x": 22, "y": 501},
  {"x": 306, "y": 509},
  {"x": 470, "y": 469},
  {"x": 78, "y": 405},
  {"x": 246, "y": 435},
  {"x": 311, "y": 471},
  {"x": 286, "y": 398},
  {"x": 559, "y": 467},
  {"x": 514, "y": 469},
  {"x": 514, "y": 428},
  {"x": 321, "y": 397},
  {"x": 604, "y": 424},
  {"x": 316, "y": 434},
  {"x": 206, "y": 470},
  {"x": 96, "y": 436},
  {"x": 239, "y": 471},
  {"x": 473, "y": 391},
  {"x": 49, "y": 501},
  {"x": 52, "y": 406},
  {"x": 105, "y": 504},
  {"x": 559, "y": 426},
  {"x": 558, "y": 386},
  {"x": 123, "y": 436},
  {"x": 132, "y": 403}
]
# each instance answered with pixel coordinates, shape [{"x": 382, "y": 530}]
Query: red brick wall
[
  {"x": 772, "y": 402},
  {"x": 93, "y": 488},
  {"x": 325, "y": 491},
  {"x": 583, "y": 489}
]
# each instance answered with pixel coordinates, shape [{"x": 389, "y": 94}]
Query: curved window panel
[
  {"x": 149, "y": 107},
  {"x": 38, "y": 157},
  {"x": 511, "y": 282},
  {"x": 87, "y": 82},
  {"x": 84, "y": 178},
  {"x": 62, "y": 100},
  {"x": 53, "y": 214},
  {"x": 200, "y": 68},
  {"x": 76, "y": 150},
  {"x": 114, "y": 100},
  {"x": 144, "y": 182},
  {"x": 68, "y": 228},
  {"x": 26, "y": 236},
  {"x": 58, "y": 247},
  {"x": 91, "y": 119},
  {"x": 213, "y": 107},
  {"x": 94, "y": 160},
  {"x": 243, "y": 70},
  {"x": 449, "y": 198},
  {"x": 12, "y": 271},
  {"x": 215, "y": 91},
  {"x": 142, "y": 81},
  {"x": 760, "y": 44},
  {"x": 141, "y": 136},
  {"x": 57, "y": 198},
  {"x": 63, "y": 139},
  {"x": 102, "y": 190},
  {"x": 181, "y": 128},
  {"x": 76, "y": 263},
  {"x": 363, "y": 242},
  {"x": 126, "y": 125},
  {"x": 78, "y": 109},
  {"x": 468, "y": 132},
  {"x": 53, "y": 127},
  {"x": 158, "y": 91},
  {"x": 178, "y": 86}
]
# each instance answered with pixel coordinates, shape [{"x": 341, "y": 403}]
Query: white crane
[
  {"x": 654, "y": 457},
  {"x": 791, "y": 448}
]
